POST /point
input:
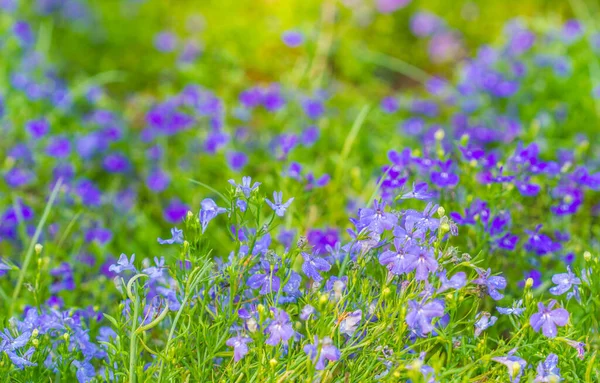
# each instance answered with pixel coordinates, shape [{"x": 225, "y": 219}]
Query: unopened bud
[
  {"x": 260, "y": 308},
  {"x": 190, "y": 215},
  {"x": 444, "y": 227},
  {"x": 273, "y": 362},
  {"x": 386, "y": 290},
  {"x": 35, "y": 342},
  {"x": 66, "y": 336},
  {"x": 587, "y": 256},
  {"x": 441, "y": 211},
  {"x": 323, "y": 299},
  {"x": 38, "y": 248},
  {"x": 528, "y": 283},
  {"x": 439, "y": 134},
  {"x": 35, "y": 333}
]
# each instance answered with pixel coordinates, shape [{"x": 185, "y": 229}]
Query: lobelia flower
[
  {"x": 419, "y": 191},
  {"x": 240, "y": 346},
  {"x": 307, "y": 312},
  {"x": 492, "y": 283},
  {"x": 516, "y": 309},
  {"x": 445, "y": 178},
  {"x": 292, "y": 38},
  {"x": 425, "y": 263},
  {"x": 208, "y": 211},
  {"x": 350, "y": 323},
  {"x": 427, "y": 371},
  {"x": 579, "y": 346},
  {"x": 280, "y": 330},
  {"x": 10, "y": 345},
  {"x": 246, "y": 187},
  {"x": 421, "y": 314},
  {"x": 277, "y": 205},
  {"x": 376, "y": 219},
  {"x": 158, "y": 180},
  {"x": 313, "y": 264},
  {"x": 267, "y": 282},
  {"x": 176, "y": 237},
  {"x": 548, "y": 371},
  {"x": 399, "y": 261},
  {"x": 457, "y": 281},
  {"x": 564, "y": 282},
  {"x": 547, "y": 319},
  {"x": 175, "y": 211},
  {"x": 515, "y": 365},
  {"x": 123, "y": 264},
  {"x": 483, "y": 321},
  {"x": 85, "y": 371},
  {"x": 322, "y": 351}
]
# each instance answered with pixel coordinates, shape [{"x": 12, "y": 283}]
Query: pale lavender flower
[
  {"x": 515, "y": 365},
  {"x": 240, "y": 346},
  {"x": 277, "y": 205},
  {"x": 547, "y": 319},
  {"x": 516, "y": 309},
  {"x": 280, "y": 330},
  {"x": 307, "y": 312},
  {"x": 123, "y": 264},
  {"x": 425, "y": 263},
  {"x": 313, "y": 264},
  {"x": 176, "y": 237},
  {"x": 484, "y": 320},
  {"x": 246, "y": 187},
  {"x": 399, "y": 261},
  {"x": 322, "y": 351},
  {"x": 493, "y": 283},
  {"x": 208, "y": 211},
  {"x": 548, "y": 371},
  {"x": 420, "y": 315},
  {"x": 349, "y": 325},
  {"x": 376, "y": 219},
  {"x": 457, "y": 281},
  {"x": 564, "y": 282}
]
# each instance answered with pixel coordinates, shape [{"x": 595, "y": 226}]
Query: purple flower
[
  {"x": 548, "y": 371},
  {"x": 457, "y": 281},
  {"x": 58, "y": 147},
  {"x": 208, "y": 211},
  {"x": 492, "y": 283},
  {"x": 237, "y": 160},
  {"x": 165, "y": 42},
  {"x": 420, "y": 315},
  {"x": 399, "y": 261},
  {"x": 176, "y": 237},
  {"x": 175, "y": 211},
  {"x": 322, "y": 351},
  {"x": 312, "y": 265},
  {"x": 158, "y": 180},
  {"x": 245, "y": 187},
  {"x": 23, "y": 32},
  {"x": 306, "y": 312},
  {"x": 123, "y": 264},
  {"x": 423, "y": 24},
  {"x": 313, "y": 108},
  {"x": 389, "y": 105},
  {"x": 515, "y": 366},
  {"x": 516, "y": 309},
  {"x": 508, "y": 241},
  {"x": 277, "y": 205},
  {"x": 445, "y": 178},
  {"x": 85, "y": 371},
  {"x": 376, "y": 219},
  {"x": 483, "y": 321},
  {"x": 280, "y": 330},
  {"x": 547, "y": 319},
  {"x": 564, "y": 282},
  {"x": 350, "y": 323},
  {"x": 38, "y": 128},
  {"x": 292, "y": 38},
  {"x": 266, "y": 282},
  {"x": 389, "y": 6},
  {"x": 240, "y": 346},
  {"x": 17, "y": 177},
  {"x": 116, "y": 163},
  {"x": 419, "y": 191},
  {"x": 425, "y": 263},
  {"x": 10, "y": 345}
]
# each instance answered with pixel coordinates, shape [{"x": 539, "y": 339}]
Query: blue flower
[
  {"x": 313, "y": 264},
  {"x": 245, "y": 187},
  {"x": 277, "y": 205},
  {"x": 176, "y": 237},
  {"x": 208, "y": 211}
]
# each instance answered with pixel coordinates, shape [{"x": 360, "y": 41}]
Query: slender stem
[
  {"x": 31, "y": 248},
  {"x": 133, "y": 340}
]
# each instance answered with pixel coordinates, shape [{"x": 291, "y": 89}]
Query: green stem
[
  {"x": 133, "y": 340},
  {"x": 31, "y": 248}
]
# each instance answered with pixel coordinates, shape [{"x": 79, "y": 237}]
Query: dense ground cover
[{"x": 182, "y": 202}]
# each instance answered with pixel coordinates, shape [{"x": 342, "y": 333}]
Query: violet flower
[
  {"x": 277, "y": 205},
  {"x": 322, "y": 351},
  {"x": 547, "y": 319}
]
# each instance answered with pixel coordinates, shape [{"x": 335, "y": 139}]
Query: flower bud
[
  {"x": 516, "y": 368},
  {"x": 386, "y": 290},
  {"x": 66, "y": 336},
  {"x": 35, "y": 342},
  {"x": 260, "y": 308},
  {"x": 528, "y": 283},
  {"x": 439, "y": 134},
  {"x": 587, "y": 256},
  {"x": 273, "y": 362},
  {"x": 38, "y": 248},
  {"x": 35, "y": 333},
  {"x": 441, "y": 211},
  {"x": 323, "y": 299}
]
